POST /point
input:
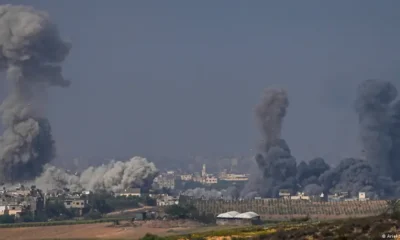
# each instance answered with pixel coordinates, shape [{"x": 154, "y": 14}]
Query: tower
[{"x": 203, "y": 171}]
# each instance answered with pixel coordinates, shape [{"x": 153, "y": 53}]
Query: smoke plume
[
  {"x": 30, "y": 51},
  {"x": 277, "y": 165},
  {"x": 372, "y": 106},
  {"x": 379, "y": 119},
  {"x": 230, "y": 193},
  {"x": 114, "y": 176}
]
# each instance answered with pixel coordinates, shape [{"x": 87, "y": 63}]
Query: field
[{"x": 104, "y": 230}]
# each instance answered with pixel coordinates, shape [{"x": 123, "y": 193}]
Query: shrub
[
  {"x": 5, "y": 218},
  {"x": 150, "y": 236},
  {"x": 92, "y": 215}
]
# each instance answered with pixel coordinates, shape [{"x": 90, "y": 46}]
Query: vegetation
[
  {"x": 189, "y": 212},
  {"x": 56, "y": 223},
  {"x": 360, "y": 228}
]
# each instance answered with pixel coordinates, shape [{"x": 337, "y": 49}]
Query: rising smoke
[
  {"x": 114, "y": 176},
  {"x": 30, "y": 49},
  {"x": 230, "y": 193},
  {"x": 379, "y": 118}
]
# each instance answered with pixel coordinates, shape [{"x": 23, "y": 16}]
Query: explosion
[
  {"x": 379, "y": 118},
  {"x": 30, "y": 49},
  {"x": 379, "y": 121},
  {"x": 114, "y": 176}
]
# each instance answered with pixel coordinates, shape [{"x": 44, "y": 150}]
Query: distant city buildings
[
  {"x": 337, "y": 197},
  {"x": 165, "y": 180},
  {"x": 135, "y": 192},
  {"x": 209, "y": 179},
  {"x": 20, "y": 200}
]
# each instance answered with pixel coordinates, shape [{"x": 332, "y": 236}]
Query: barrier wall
[{"x": 285, "y": 207}]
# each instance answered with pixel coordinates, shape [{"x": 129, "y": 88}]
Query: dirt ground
[{"x": 101, "y": 231}]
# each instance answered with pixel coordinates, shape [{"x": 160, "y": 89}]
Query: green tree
[
  {"x": 181, "y": 211},
  {"x": 98, "y": 202},
  {"x": 56, "y": 210},
  {"x": 6, "y": 218},
  {"x": 92, "y": 215}
]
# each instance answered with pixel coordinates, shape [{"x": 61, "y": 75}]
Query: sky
[{"x": 177, "y": 78}]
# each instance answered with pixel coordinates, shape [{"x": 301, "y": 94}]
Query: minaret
[{"x": 203, "y": 172}]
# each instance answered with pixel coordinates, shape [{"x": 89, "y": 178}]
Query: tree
[
  {"x": 57, "y": 210},
  {"x": 148, "y": 201},
  {"x": 93, "y": 215},
  {"x": 6, "y": 218},
  {"x": 181, "y": 211}
]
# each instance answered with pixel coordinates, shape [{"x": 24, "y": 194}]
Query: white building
[
  {"x": 187, "y": 177},
  {"x": 235, "y": 218},
  {"x": 362, "y": 197},
  {"x": 136, "y": 192},
  {"x": 167, "y": 201},
  {"x": 300, "y": 196},
  {"x": 209, "y": 180}
]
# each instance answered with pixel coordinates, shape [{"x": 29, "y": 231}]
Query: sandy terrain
[{"x": 101, "y": 230}]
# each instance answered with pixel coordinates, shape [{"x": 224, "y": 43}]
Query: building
[
  {"x": 15, "y": 210},
  {"x": 136, "y": 192},
  {"x": 205, "y": 178},
  {"x": 187, "y": 177},
  {"x": 335, "y": 198},
  {"x": 284, "y": 193},
  {"x": 167, "y": 201},
  {"x": 231, "y": 177},
  {"x": 236, "y": 218},
  {"x": 78, "y": 204},
  {"x": 75, "y": 203},
  {"x": 203, "y": 171},
  {"x": 209, "y": 180},
  {"x": 165, "y": 181},
  {"x": 300, "y": 196},
  {"x": 18, "y": 201}
]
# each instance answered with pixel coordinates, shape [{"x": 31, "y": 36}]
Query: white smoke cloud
[{"x": 114, "y": 176}]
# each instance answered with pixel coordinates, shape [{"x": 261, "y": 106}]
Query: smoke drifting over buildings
[
  {"x": 114, "y": 176},
  {"x": 379, "y": 118},
  {"x": 230, "y": 193},
  {"x": 30, "y": 49}
]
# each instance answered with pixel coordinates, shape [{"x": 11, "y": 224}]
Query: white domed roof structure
[
  {"x": 231, "y": 214},
  {"x": 247, "y": 215}
]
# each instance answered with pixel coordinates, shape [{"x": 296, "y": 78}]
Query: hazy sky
[{"x": 172, "y": 78}]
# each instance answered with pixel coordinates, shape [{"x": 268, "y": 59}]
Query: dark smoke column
[
  {"x": 30, "y": 49},
  {"x": 270, "y": 113},
  {"x": 277, "y": 166},
  {"x": 372, "y": 105}
]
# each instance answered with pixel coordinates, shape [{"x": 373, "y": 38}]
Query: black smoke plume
[
  {"x": 30, "y": 49},
  {"x": 379, "y": 119}
]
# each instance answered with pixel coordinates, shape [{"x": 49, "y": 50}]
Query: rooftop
[
  {"x": 131, "y": 190},
  {"x": 234, "y": 214}
]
